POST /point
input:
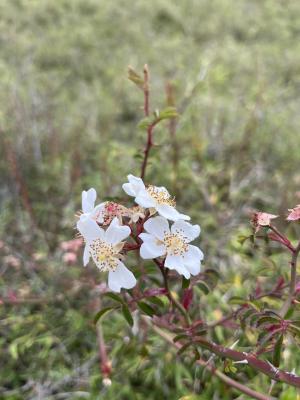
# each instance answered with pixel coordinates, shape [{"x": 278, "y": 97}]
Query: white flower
[
  {"x": 153, "y": 197},
  {"x": 104, "y": 247},
  {"x": 88, "y": 206},
  {"x": 173, "y": 244}
]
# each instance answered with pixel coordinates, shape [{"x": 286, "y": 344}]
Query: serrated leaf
[
  {"x": 277, "y": 351},
  {"x": 101, "y": 313},
  {"x": 127, "y": 315},
  {"x": 146, "y": 308},
  {"x": 114, "y": 297}
]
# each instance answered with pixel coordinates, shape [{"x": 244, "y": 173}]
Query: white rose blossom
[
  {"x": 161, "y": 241},
  {"x": 153, "y": 197},
  {"x": 88, "y": 206},
  {"x": 104, "y": 247}
]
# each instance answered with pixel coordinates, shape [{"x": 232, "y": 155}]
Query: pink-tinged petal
[
  {"x": 144, "y": 199},
  {"x": 170, "y": 212},
  {"x": 116, "y": 233},
  {"x": 176, "y": 262},
  {"x": 121, "y": 278},
  {"x": 89, "y": 229},
  {"x": 294, "y": 214},
  {"x": 152, "y": 249},
  {"x": 88, "y": 200},
  {"x": 98, "y": 212},
  {"x": 157, "y": 226},
  {"x": 189, "y": 231},
  {"x": 261, "y": 219}
]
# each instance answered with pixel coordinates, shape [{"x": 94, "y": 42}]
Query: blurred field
[{"x": 68, "y": 121}]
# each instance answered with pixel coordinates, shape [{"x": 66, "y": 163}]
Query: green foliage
[{"x": 69, "y": 120}]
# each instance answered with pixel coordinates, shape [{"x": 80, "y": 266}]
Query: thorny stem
[
  {"x": 284, "y": 240},
  {"x": 171, "y": 298},
  {"x": 146, "y": 90},
  {"x": 149, "y": 142},
  {"x": 230, "y": 382},
  {"x": 293, "y": 281}
]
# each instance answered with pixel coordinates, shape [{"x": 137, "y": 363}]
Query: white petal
[
  {"x": 157, "y": 226},
  {"x": 134, "y": 186},
  {"x": 144, "y": 199},
  {"x": 88, "y": 200},
  {"x": 170, "y": 212},
  {"x": 116, "y": 233},
  {"x": 194, "y": 269},
  {"x": 136, "y": 182},
  {"x": 121, "y": 278},
  {"x": 86, "y": 255},
  {"x": 186, "y": 229},
  {"x": 128, "y": 188},
  {"x": 176, "y": 262},
  {"x": 150, "y": 248},
  {"x": 193, "y": 256},
  {"x": 89, "y": 229}
]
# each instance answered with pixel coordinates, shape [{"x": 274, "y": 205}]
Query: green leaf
[
  {"x": 242, "y": 239},
  {"x": 267, "y": 320},
  {"x": 127, "y": 314},
  {"x": 146, "y": 308},
  {"x": 203, "y": 287},
  {"x": 145, "y": 123},
  {"x": 135, "y": 78},
  {"x": 183, "y": 348},
  {"x": 185, "y": 283},
  {"x": 179, "y": 337},
  {"x": 156, "y": 301},
  {"x": 237, "y": 300},
  {"x": 289, "y": 313},
  {"x": 114, "y": 297},
  {"x": 277, "y": 351},
  {"x": 166, "y": 113},
  {"x": 294, "y": 329},
  {"x": 102, "y": 312}
]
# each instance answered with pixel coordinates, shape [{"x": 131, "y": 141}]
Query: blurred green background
[{"x": 68, "y": 121}]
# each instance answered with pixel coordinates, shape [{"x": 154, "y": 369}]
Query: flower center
[
  {"x": 104, "y": 255},
  {"x": 176, "y": 244},
  {"x": 161, "y": 196}
]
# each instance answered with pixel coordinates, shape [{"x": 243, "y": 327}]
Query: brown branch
[
  {"x": 173, "y": 301},
  {"x": 259, "y": 365},
  {"x": 150, "y": 128},
  {"x": 230, "y": 382}
]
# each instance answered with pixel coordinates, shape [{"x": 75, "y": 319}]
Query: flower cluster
[{"x": 110, "y": 230}]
